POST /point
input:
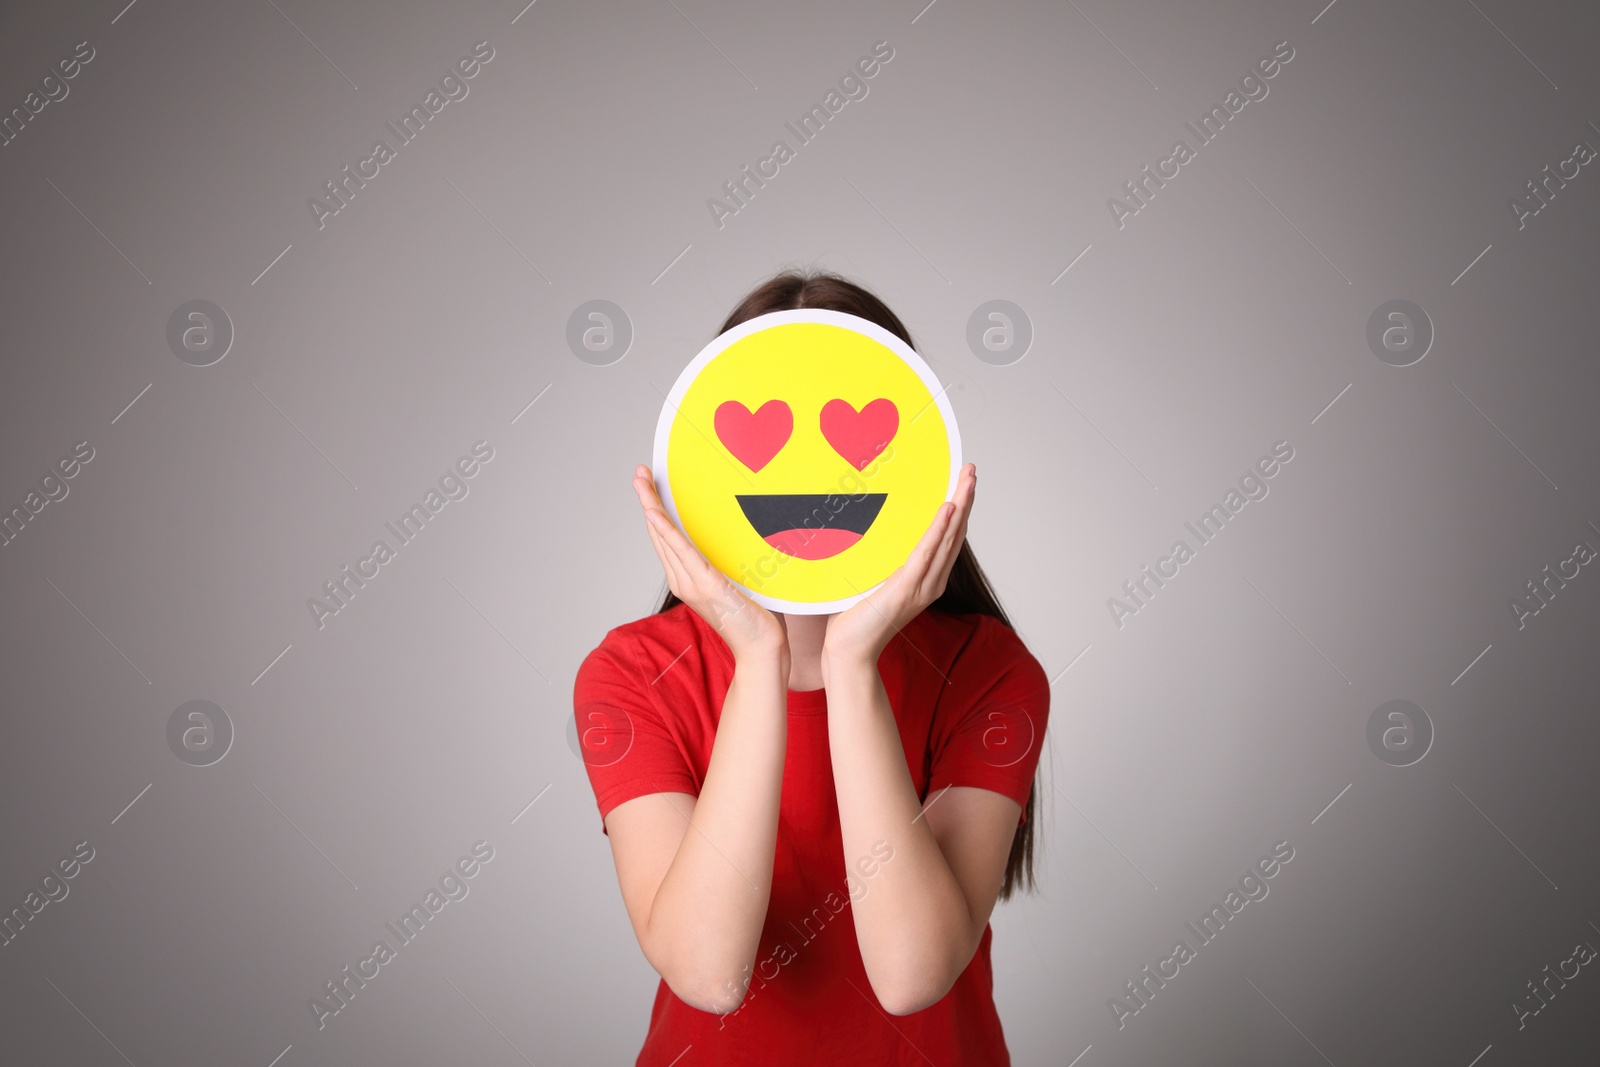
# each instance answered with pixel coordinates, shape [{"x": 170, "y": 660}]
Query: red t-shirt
[{"x": 647, "y": 702}]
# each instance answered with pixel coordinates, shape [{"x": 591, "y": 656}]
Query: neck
[{"x": 805, "y": 649}]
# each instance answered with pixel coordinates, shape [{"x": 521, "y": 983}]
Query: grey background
[{"x": 427, "y": 715}]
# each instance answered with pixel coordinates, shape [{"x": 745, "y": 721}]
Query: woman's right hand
[{"x": 749, "y": 629}]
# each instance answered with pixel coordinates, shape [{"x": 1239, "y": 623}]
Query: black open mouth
[{"x": 810, "y": 525}]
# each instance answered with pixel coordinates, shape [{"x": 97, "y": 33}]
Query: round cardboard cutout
[{"x": 805, "y": 453}]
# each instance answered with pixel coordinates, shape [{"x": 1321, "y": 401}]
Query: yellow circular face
[{"x": 805, "y": 453}]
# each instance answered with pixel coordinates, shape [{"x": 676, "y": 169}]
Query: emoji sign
[{"x": 805, "y": 453}]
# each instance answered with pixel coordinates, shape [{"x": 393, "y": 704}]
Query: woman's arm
[
  {"x": 923, "y": 912},
  {"x": 696, "y": 874},
  {"x": 922, "y": 915}
]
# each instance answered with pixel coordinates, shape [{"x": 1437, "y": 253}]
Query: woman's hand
[
  {"x": 859, "y": 634},
  {"x": 747, "y": 627}
]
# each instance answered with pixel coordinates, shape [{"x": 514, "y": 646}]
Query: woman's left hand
[{"x": 859, "y": 633}]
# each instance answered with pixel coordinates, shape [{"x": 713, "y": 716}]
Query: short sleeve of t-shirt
[
  {"x": 628, "y": 749},
  {"x": 991, "y": 734}
]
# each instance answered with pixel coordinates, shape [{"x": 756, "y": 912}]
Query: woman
[{"x": 812, "y": 816}]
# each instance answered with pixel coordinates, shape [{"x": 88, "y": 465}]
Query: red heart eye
[
  {"x": 860, "y": 436},
  {"x": 754, "y": 437}
]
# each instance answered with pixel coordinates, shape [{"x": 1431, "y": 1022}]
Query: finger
[
  {"x": 657, "y": 524},
  {"x": 916, "y": 565},
  {"x": 695, "y": 571},
  {"x": 690, "y": 575},
  {"x": 644, "y": 486},
  {"x": 669, "y": 565},
  {"x": 651, "y": 505},
  {"x": 938, "y": 561},
  {"x": 646, "y": 504},
  {"x": 664, "y": 531},
  {"x": 671, "y": 536},
  {"x": 656, "y": 538},
  {"x": 672, "y": 554},
  {"x": 691, "y": 566},
  {"x": 966, "y": 491},
  {"x": 964, "y": 504},
  {"x": 694, "y": 563},
  {"x": 955, "y": 534}
]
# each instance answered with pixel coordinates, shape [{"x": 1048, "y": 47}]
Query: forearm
[
  {"x": 706, "y": 920},
  {"x": 912, "y": 923}
]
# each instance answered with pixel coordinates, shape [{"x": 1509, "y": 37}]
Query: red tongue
[{"x": 812, "y": 544}]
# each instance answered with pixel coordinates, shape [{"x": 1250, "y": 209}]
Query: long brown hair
[{"x": 967, "y": 592}]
